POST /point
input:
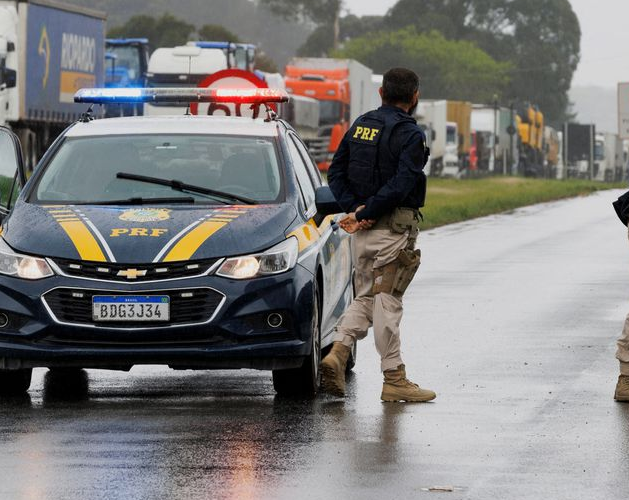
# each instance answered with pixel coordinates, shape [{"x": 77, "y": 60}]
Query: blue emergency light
[
  {"x": 126, "y": 41},
  {"x": 215, "y": 45},
  {"x": 184, "y": 95}
]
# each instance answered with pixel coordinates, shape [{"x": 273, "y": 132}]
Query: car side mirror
[{"x": 326, "y": 204}]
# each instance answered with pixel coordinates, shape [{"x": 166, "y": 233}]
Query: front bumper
[{"x": 229, "y": 330}]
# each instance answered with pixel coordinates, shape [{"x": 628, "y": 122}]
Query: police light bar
[{"x": 184, "y": 95}]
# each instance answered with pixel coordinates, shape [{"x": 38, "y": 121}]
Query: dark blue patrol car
[{"x": 197, "y": 242}]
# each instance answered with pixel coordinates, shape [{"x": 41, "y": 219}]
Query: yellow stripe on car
[
  {"x": 308, "y": 233},
  {"x": 83, "y": 240},
  {"x": 190, "y": 243}
]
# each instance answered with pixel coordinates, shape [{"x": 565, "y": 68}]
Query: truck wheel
[
  {"x": 303, "y": 381},
  {"x": 15, "y": 382}
]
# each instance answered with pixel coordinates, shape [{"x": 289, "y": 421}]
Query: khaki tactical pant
[
  {"x": 372, "y": 249},
  {"x": 622, "y": 354}
]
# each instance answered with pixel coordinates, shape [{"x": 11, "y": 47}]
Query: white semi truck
[
  {"x": 188, "y": 65},
  {"x": 608, "y": 157},
  {"x": 48, "y": 51},
  {"x": 442, "y": 135}
]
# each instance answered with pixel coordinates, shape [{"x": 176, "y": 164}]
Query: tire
[
  {"x": 305, "y": 380},
  {"x": 15, "y": 382}
]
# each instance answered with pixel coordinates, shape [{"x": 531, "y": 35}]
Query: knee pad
[{"x": 395, "y": 277}]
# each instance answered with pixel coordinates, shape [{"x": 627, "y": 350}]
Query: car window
[
  {"x": 85, "y": 169},
  {"x": 315, "y": 175},
  {"x": 301, "y": 171}
]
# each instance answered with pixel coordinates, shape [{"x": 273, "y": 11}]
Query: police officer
[{"x": 377, "y": 177}]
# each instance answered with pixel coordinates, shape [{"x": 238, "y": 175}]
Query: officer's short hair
[{"x": 399, "y": 86}]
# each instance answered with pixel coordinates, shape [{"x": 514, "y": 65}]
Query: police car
[{"x": 197, "y": 242}]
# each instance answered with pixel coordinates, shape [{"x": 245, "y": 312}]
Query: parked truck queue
[{"x": 49, "y": 50}]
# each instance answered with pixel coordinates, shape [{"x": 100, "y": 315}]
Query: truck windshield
[
  {"x": 451, "y": 135},
  {"x": 85, "y": 169},
  {"x": 599, "y": 150},
  {"x": 125, "y": 68},
  {"x": 329, "y": 112}
]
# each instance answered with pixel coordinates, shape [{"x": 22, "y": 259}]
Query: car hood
[{"x": 144, "y": 234}]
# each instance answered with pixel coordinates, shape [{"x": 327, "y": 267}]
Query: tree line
[{"x": 479, "y": 50}]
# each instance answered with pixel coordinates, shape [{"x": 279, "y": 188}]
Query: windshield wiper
[
  {"x": 141, "y": 201},
  {"x": 183, "y": 187}
]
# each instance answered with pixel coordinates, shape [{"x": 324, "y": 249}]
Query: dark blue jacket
[{"x": 380, "y": 164}]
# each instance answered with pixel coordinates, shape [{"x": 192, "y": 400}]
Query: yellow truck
[{"x": 530, "y": 125}]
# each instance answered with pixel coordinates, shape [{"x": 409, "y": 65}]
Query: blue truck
[
  {"x": 48, "y": 50},
  {"x": 126, "y": 66}
]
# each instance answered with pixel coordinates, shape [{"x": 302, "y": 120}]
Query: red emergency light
[{"x": 184, "y": 95}]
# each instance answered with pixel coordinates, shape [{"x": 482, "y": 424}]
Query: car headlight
[
  {"x": 276, "y": 260},
  {"x": 22, "y": 266}
]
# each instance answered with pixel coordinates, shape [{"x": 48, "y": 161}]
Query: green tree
[
  {"x": 163, "y": 31},
  {"x": 319, "y": 12},
  {"x": 321, "y": 41},
  {"x": 448, "y": 69},
  {"x": 217, "y": 33},
  {"x": 540, "y": 38},
  {"x": 265, "y": 63}
]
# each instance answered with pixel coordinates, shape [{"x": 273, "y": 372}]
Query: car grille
[
  {"x": 187, "y": 306},
  {"x": 140, "y": 272}
]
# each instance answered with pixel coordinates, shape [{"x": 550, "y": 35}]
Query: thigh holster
[{"x": 395, "y": 277}]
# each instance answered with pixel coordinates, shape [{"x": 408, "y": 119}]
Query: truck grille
[
  {"x": 318, "y": 148},
  {"x": 187, "y": 306},
  {"x": 145, "y": 272}
]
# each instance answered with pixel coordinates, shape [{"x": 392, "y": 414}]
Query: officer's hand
[
  {"x": 366, "y": 223},
  {"x": 349, "y": 223}
]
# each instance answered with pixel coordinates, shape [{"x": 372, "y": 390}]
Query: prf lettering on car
[
  {"x": 137, "y": 231},
  {"x": 366, "y": 133}
]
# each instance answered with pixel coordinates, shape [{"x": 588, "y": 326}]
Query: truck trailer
[
  {"x": 578, "y": 150},
  {"x": 48, "y": 51}
]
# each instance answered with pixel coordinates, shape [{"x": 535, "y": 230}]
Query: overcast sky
[{"x": 604, "y": 41}]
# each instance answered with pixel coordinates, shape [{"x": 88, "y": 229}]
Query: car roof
[{"x": 183, "y": 124}]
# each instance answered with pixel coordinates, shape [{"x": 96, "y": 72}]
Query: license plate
[{"x": 131, "y": 308}]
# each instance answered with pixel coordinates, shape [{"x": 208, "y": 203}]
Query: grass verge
[{"x": 450, "y": 200}]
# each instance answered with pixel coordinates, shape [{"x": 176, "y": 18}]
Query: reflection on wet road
[{"x": 512, "y": 320}]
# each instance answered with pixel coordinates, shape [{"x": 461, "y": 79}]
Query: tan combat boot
[
  {"x": 333, "y": 369},
  {"x": 622, "y": 389},
  {"x": 397, "y": 387}
]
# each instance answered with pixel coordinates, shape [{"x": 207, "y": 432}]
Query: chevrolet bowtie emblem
[{"x": 132, "y": 274}]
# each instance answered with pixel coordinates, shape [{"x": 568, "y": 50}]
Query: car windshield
[{"x": 85, "y": 170}]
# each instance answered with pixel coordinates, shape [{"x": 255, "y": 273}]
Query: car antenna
[
  {"x": 271, "y": 115},
  {"x": 88, "y": 116}
]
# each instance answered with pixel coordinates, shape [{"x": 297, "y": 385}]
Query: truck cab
[
  {"x": 188, "y": 65},
  {"x": 126, "y": 66},
  {"x": 451, "y": 157},
  {"x": 342, "y": 87}
]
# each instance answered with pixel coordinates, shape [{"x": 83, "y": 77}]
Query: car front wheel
[
  {"x": 303, "y": 381},
  {"x": 15, "y": 382}
]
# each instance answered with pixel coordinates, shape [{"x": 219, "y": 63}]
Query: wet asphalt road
[{"x": 512, "y": 320}]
